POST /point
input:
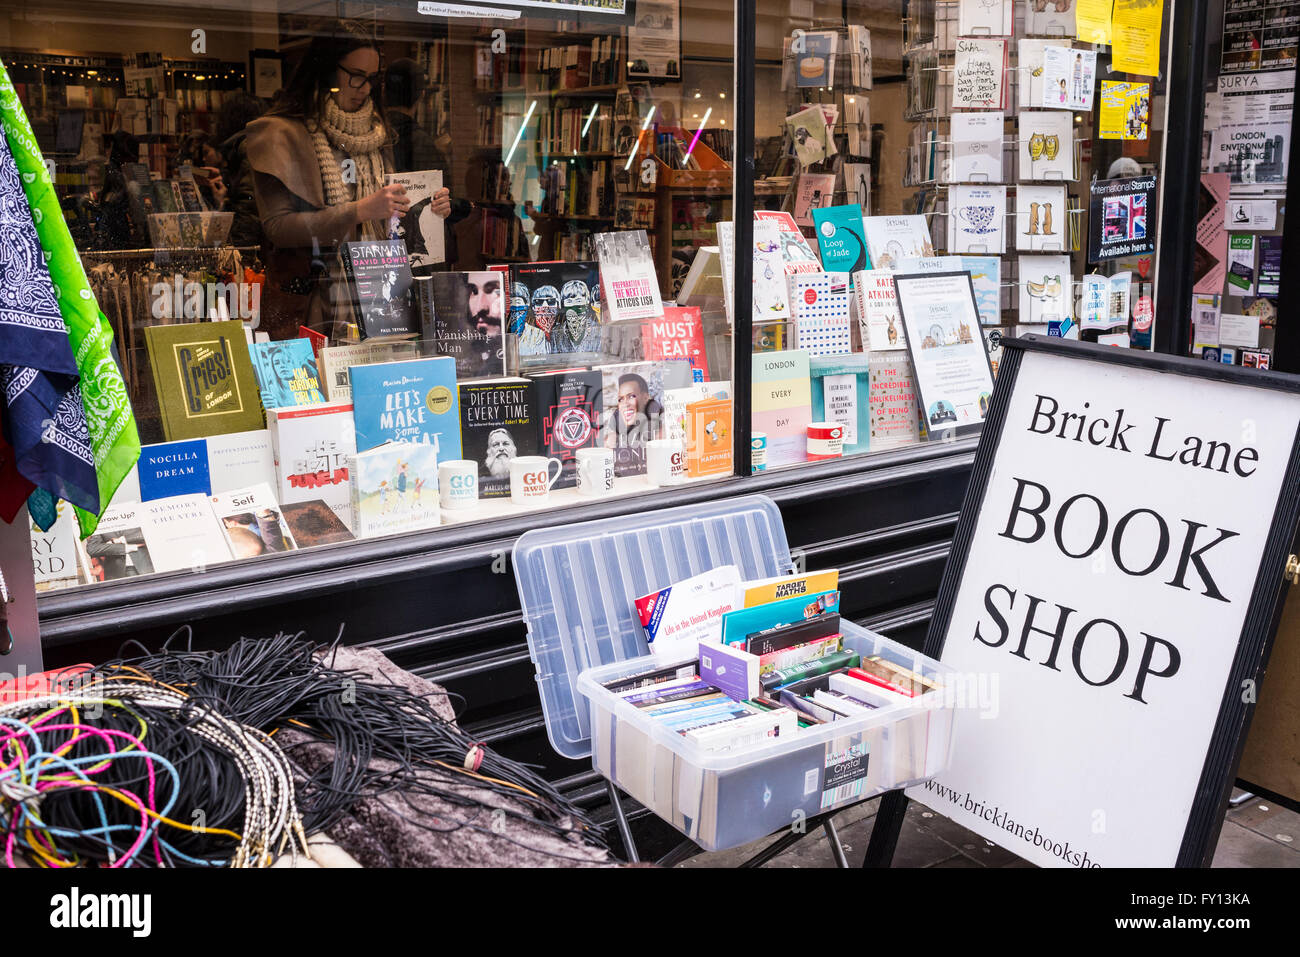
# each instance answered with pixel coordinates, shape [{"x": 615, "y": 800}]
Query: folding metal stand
[{"x": 688, "y": 848}]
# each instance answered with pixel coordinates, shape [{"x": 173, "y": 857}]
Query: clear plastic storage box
[{"x": 577, "y": 584}]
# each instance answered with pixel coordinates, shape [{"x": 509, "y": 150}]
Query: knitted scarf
[{"x": 361, "y": 135}]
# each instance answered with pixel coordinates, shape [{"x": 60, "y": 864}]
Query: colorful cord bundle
[{"x": 100, "y": 774}]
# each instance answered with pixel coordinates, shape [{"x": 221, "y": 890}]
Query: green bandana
[{"x": 113, "y": 435}]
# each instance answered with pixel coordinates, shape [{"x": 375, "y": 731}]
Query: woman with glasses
[{"x": 320, "y": 160}]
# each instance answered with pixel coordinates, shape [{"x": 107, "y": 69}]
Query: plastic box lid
[{"x": 577, "y": 584}]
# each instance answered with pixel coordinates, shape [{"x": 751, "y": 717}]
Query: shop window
[
  {"x": 1017, "y": 144},
  {"x": 368, "y": 277}
]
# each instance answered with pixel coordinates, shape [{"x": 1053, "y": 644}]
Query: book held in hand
[{"x": 421, "y": 229}]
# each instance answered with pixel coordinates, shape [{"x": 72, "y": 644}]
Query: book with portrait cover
[
  {"x": 420, "y": 229},
  {"x": 562, "y": 308},
  {"x": 410, "y": 401},
  {"x": 633, "y": 408},
  {"x": 379, "y": 279},
  {"x": 395, "y": 489},
  {"x": 204, "y": 379},
  {"x": 462, "y": 313},
  {"x": 569, "y": 409},
  {"x": 286, "y": 373},
  {"x": 252, "y": 522},
  {"x": 497, "y": 424}
]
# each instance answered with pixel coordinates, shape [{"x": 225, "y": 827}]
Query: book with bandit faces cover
[
  {"x": 204, "y": 379},
  {"x": 498, "y": 424},
  {"x": 379, "y": 277},
  {"x": 568, "y": 417}
]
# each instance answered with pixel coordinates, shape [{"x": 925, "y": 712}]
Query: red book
[
  {"x": 881, "y": 682},
  {"x": 678, "y": 335}
]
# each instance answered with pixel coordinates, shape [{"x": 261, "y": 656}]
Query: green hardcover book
[{"x": 204, "y": 379}]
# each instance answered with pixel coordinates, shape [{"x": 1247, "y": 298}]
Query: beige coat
[{"x": 304, "y": 282}]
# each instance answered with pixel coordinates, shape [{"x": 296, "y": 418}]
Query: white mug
[
  {"x": 530, "y": 479},
  {"x": 458, "y": 484},
  {"x": 665, "y": 461},
  {"x": 595, "y": 471}
]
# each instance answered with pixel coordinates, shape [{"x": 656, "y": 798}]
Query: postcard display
[
  {"x": 1244, "y": 170},
  {"x": 1001, "y": 95}
]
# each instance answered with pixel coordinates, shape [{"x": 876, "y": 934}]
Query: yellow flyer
[
  {"x": 1092, "y": 20},
  {"x": 1136, "y": 37},
  {"x": 1125, "y": 110}
]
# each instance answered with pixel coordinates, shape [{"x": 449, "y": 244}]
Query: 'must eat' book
[
  {"x": 782, "y": 404},
  {"x": 286, "y": 373},
  {"x": 204, "y": 379},
  {"x": 379, "y": 278},
  {"x": 395, "y": 489},
  {"x": 410, "y": 401},
  {"x": 421, "y": 228},
  {"x": 629, "y": 283},
  {"x": 463, "y": 314},
  {"x": 312, "y": 446},
  {"x": 252, "y": 522},
  {"x": 497, "y": 426},
  {"x": 678, "y": 334}
]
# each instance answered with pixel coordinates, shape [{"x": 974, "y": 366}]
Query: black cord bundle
[{"x": 385, "y": 739}]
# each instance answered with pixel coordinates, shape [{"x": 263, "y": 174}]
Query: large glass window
[
  {"x": 932, "y": 177},
  {"x": 432, "y": 264}
]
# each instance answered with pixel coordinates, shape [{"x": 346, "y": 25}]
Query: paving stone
[{"x": 1242, "y": 847}]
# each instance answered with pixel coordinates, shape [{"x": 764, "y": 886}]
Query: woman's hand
[
  {"x": 441, "y": 204},
  {"x": 384, "y": 204}
]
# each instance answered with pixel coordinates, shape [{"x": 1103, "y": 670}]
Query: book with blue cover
[
  {"x": 174, "y": 468},
  {"x": 286, "y": 373},
  {"x": 842, "y": 238},
  {"x": 408, "y": 401},
  {"x": 739, "y": 624}
]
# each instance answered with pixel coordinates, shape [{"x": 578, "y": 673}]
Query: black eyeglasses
[{"x": 357, "y": 80}]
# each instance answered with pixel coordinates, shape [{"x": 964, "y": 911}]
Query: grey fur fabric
[{"x": 402, "y": 829}]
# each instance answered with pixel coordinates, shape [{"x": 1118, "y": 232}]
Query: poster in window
[
  {"x": 1119, "y": 218},
  {"x": 654, "y": 40}
]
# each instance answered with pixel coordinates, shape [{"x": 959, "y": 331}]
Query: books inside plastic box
[
  {"x": 577, "y": 584},
  {"x": 725, "y": 799}
]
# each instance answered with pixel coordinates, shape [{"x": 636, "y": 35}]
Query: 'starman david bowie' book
[
  {"x": 497, "y": 425},
  {"x": 204, "y": 379},
  {"x": 379, "y": 278}
]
